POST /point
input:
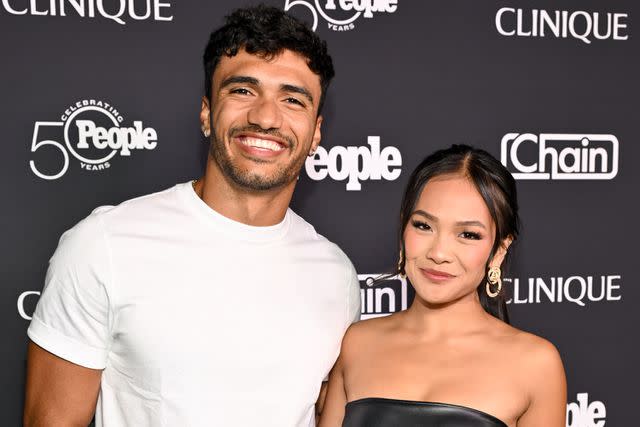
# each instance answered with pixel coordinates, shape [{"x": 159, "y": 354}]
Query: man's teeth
[{"x": 261, "y": 143}]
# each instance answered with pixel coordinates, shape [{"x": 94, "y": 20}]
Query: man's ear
[
  {"x": 205, "y": 113},
  {"x": 501, "y": 252},
  {"x": 317, "y": 135}
]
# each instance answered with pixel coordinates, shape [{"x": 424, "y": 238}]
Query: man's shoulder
[
  {"x": 304, "y": 232},
  {"x": 130, "y": 214},
  {"x": 153, "y": 203}
]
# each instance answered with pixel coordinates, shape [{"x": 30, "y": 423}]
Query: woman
[{"x": 451, "y": 359}]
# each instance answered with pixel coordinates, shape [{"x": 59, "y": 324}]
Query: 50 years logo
[
  {"x": 93, "y": 133},
  {"x": 341, "y": 14}
]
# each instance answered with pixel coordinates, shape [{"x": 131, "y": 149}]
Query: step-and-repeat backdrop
[{"x": 549, "y": 87}]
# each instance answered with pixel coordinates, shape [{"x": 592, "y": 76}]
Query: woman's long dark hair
[{"x": 497, "y": 188}]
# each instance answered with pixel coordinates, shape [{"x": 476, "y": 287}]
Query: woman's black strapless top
[{"x": 379, "y": 412}]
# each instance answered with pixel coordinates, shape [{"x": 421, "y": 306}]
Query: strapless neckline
[{"x": 427, "y": 404}]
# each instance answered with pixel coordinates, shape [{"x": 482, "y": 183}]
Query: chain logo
[
  {"x": 383, "y": 297},
  {"x": 560, "y": 156},
  {"x": 341, "y": 14},
  {"x": 93, "y": 133}
]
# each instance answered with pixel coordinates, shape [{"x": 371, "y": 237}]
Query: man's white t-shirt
[{"x": 195, "y": 319}]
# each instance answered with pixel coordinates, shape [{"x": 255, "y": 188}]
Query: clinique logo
[
  {"x": 578, "y": 290},
  {"x": 579, "y": 25},
  {"x": 560, "y": 156},
  {"x": 355, "y": 164},
  {"x": 27, "y": 303},
  {"x": 341, "y": 15},
  {"x": 119, "y": 11},
  {"x": 93, "y": 133}
]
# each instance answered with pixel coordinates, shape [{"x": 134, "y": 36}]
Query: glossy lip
[
  {"x": 436, "y": 275},
  {"x": 256, "y": 151}
]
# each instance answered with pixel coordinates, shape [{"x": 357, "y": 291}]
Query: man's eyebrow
[
  {"x": 239, "y": 79},
  {"x": 297, "y": 89},
  {"x": 458, "y": 223}
]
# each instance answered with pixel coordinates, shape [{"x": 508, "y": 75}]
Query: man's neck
[{"x": 256, "y": 208}]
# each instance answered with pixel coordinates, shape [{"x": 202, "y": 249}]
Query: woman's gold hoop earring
[
  {"x": 205, "y": 132},
  {"x": 493, "y": 278},
  {"x": 401, "y": 272}
]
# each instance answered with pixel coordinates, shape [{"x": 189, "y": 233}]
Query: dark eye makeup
[
  {"x": 470, "y": 235},
  {"x": 420, "y": 225}
]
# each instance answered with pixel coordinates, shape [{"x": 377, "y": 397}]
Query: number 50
[
  {"x": 35, "y": 145},
  {"x": 289, "y": 4}
]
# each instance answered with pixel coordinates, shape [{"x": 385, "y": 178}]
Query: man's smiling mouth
[{"x": 265, "y": 144}]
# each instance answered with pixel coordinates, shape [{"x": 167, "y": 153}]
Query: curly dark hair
[{"x": 267, "y": 31}]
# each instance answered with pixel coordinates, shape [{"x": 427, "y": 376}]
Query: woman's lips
[{"x": 436, "y": 275}]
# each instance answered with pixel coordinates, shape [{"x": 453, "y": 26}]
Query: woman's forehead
[{"x": 453, "y": 198}]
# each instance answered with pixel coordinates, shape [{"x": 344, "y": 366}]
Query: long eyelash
[
  {"x": 419, "y": 224},
  {"x": 472, "y": 235}
]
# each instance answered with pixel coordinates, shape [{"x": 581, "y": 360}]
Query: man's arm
[
  {"x": 332, "y": 411},
  {"x": 321, "y": 398},
  {"x": 58, "y": 392}
]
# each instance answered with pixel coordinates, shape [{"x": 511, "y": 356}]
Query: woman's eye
[
  {"x": 470, "y": 235},
  {"x": 420, "y": 225}
]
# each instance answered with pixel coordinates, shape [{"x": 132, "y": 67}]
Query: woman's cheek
[
  {"x": 412, "y": 243},
  {"x": 475, "y": 257}
]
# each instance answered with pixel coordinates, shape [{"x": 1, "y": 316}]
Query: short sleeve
[
  {"x": 353, "y": 297},
  {"x": 72, "y": 317}
]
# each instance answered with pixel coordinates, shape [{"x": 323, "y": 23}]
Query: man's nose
[{"x": 265, "y": 113}]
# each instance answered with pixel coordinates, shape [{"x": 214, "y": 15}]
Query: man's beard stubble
[{"x": 247, "y": 179}]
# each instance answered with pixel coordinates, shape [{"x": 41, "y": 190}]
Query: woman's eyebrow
[
  {"x": 468, "y": 223},
  {"x": 458, "y": 223}
]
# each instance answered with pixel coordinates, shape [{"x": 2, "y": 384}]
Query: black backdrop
[{"x": 416, "y": 75}]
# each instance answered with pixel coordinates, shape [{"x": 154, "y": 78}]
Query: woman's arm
[{"x": 548, "y": 388}]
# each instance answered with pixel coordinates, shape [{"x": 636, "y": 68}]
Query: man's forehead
[{"x": 278, "y": 68}]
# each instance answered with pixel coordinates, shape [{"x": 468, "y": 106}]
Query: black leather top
[{"x": 379, "y": 412}]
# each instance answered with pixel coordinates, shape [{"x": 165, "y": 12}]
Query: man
[{"x": 210, "y": 303}]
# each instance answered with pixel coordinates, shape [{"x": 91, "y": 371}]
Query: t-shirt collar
[{"x": 234, "y": 228}]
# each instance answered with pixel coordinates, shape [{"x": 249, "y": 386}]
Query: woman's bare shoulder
[
  {"x": 534, "y": 355},
  {"x": 364, "y": 333}
]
